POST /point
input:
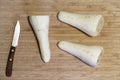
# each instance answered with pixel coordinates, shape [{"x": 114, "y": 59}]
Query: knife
[{"x": 12, "y": 50}]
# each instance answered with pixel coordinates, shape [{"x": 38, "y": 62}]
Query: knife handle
[{"x": 10, "y": 61}]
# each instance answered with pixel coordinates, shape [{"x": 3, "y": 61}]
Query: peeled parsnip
[
  {"x": 91, "y": 24},
  {"x": 40, "y": 25},
  {"x": 88, "y": 54}
]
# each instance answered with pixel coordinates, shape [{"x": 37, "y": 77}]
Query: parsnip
[
  {"x": 91, "y": 24},
  {"x": 40, "y": 26},
  {"x": 88, "y": 54}
]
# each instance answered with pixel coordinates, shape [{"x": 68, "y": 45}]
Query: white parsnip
[
  {"x": 91, "y": 24},
  {"x": 40, "y": 25},
  {"x": 88, "y": 54}
]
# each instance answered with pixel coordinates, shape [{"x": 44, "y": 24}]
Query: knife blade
[{"x": 12, "y": 49}]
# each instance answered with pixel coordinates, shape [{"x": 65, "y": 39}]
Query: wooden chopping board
[{"x": 27, "y": 61}]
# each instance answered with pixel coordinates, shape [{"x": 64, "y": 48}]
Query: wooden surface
[{"x": 27, "y": 62}]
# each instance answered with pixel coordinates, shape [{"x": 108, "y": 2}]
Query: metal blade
[{"x": 16, "y": 35}]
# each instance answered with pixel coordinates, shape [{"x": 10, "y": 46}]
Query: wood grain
[{"x": 27, "y": 62}]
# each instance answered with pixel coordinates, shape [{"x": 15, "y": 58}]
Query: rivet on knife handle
[{"x": 10, "y": 62}]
